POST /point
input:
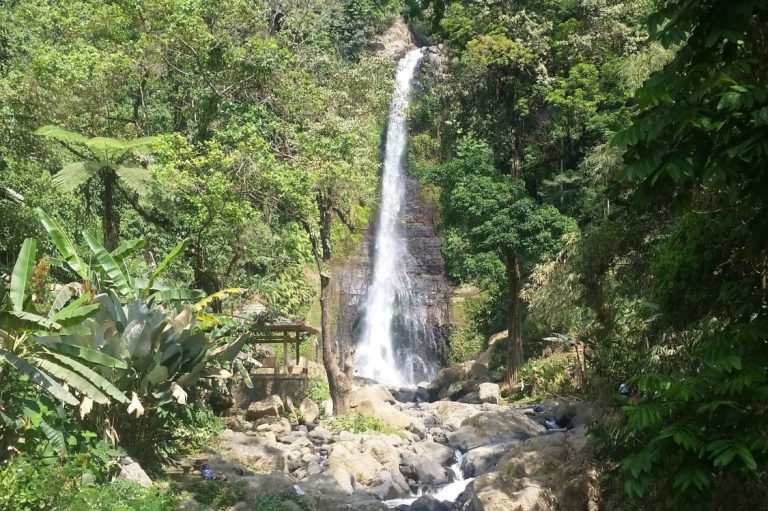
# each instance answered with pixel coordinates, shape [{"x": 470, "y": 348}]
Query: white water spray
[{"x": 377, "y": 356}]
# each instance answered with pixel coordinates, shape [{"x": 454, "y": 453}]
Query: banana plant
[
  {"x": 66, "y": 372},
  {"x": 108, "y": 271}
]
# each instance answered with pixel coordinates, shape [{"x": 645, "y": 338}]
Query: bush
[
  {"x": 278, "y": 503},
  {"x": 554, "y": 374},
  {"x": 217, "y": 494},
  {"x": 317, "y": 390},
  {"x": 359, "y": 423},
  {"x": 31, "y": 485}
]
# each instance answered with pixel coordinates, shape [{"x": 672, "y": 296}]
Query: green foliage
[
  {"x": 360, "y": 423},
  {"x": 550, "y": 375},
  {"x": 29, "y": 485},
  {"x": 218, "y": 494},
  {"x": 279, "y": 503},
  {"x": 317, "y": 390}
]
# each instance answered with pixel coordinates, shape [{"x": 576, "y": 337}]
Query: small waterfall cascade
[
  {"x": 393, "y": 346},
  {"x": 447, "y": 493}
]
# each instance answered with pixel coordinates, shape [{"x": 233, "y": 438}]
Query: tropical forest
[{"x": 371, "y": 255}]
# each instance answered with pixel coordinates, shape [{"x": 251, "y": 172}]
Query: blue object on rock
[{"x": 207, "y": 473}]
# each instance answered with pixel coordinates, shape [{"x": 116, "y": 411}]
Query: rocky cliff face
[{"x": 427, "y": 331}]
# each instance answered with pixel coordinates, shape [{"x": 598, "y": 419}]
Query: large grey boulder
[
  {"x": 484, "y": 459},
  {"x": 132, "y": 471},
  {"x": 309, "y": 411},
  {"x": 390, "y": 415},
  {"x": 271, "y": 406},
  {"x": 493, "y": 427},
  {"x": 429, "y": 503},
  {"x": 370, "y": 393},
  {"x": 425, "y": 462},
  {"x": 371, "y": 463},
  {"x": 489, "y": 393}
]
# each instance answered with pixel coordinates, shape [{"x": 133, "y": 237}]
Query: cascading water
[{"x": 390, "y": 349}]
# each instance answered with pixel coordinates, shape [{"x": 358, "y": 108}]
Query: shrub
[
  {"x": 218, "y": 494},
  {"x": 554, "y": 374},
  {"x": 359, "y": 423},
  {"x": 317, "y": 390},
  {"x": 278, "y": 503}
]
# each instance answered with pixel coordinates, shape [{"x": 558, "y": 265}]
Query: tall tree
[{"x": 115, "y": 166}]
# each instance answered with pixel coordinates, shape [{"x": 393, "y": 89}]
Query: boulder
[
  {"x": 132, "y": 471},
  {"x": 493, "y": 427},
  {"x": 489, "y": 393},
  {"x": 372, "y": 464},
  {"x": 271, "y": 406},
  {"x": 390, "y": 415},
  {"x": 484, "y": 459},
  {"x": 425, "y": 462},
  {"x": 471, "y": 398},
  {"x": 254, "y": 452},
  {"x": 489, "y": 493},
  {"x": 429, "y": 503},
  {"x": 309, "y": 411},
  {"x": 372, "y": 393},
  {"x": 451, "y": 414}
]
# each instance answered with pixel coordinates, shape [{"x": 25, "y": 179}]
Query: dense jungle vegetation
[{"x": 599, "y": 167}]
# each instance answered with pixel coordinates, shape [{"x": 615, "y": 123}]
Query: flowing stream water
[
  {"x": 447, "y": 493},
  {"x": 388, "y": 349}
]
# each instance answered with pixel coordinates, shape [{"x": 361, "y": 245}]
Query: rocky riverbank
[{"x": 512, "y": 457}]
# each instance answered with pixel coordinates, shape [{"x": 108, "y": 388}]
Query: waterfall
[{"x": 394, "y": 323}]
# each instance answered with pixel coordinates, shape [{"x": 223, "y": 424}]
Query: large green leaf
[
  {"x": 30, "y": 320},
  {"x": 54, "y": 436},
  {"x": 39, "y": 377},
  {"x": 127, "y": 248},
  {"x": 178, "y": 295},
  {"x": 87, "y": 354},
  {"x": 22, "y": 273},
  {"x": 135, "y": 177},
  {"x": 93, "y": 377},
  {"x": 165, "y": 263},
  {"x": 63, "y": 244},
  {"x": 72, "y": 175},
  {"x": 61, "y": 134},
  {"x": 62, "y": 297},
  {"x": 76, "y": 311},
  {"x": 109, "y": 265},
  {"x": 228, "y": 352},
  {"x": 73, "y": 379}
]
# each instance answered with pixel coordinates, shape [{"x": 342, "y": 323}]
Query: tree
[
  {"x": 115, "y": 166},
  {"x": 497, "y": 216}
]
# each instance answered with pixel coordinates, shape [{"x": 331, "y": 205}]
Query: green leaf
[
  {"x": 178, "y": 295},
  {"x": 244, "y": 374},
  {"x": 61, "y": 134},
  {"x": 109, "y": 265},
  {"x": 55, "y": 437},
  {"x": 76, "y": 312},
  {"x": 87, "y": 354},
  {"x": 93, "y": 377},
  {"x": 73, "y": 175},
  {"x": 165, "y": 263},
  {"x": 127, "y": 249},
  {"x": 38, "y": 377},
  {"x": 72, "y": 378},
  {"x": 36, "y": 320},
  {"x": 22, "y": 273},
  {"x": 61, "y": 300},
  {"x": 135, "y": 177},
  {"x": 63, "y": 244},
  {"x": 228, "y": 352}
]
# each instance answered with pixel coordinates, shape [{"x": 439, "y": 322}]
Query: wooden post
[
  {"x": 285, "y": 352},
  {"x": 298, "y": 343}
]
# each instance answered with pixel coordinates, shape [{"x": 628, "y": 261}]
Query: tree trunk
[
  {"x": 110, "y": 218},
  {"x": 339, "y": 382},
  {"x": 339, "y": 371},
  {"x": 515, "y": 341}
]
